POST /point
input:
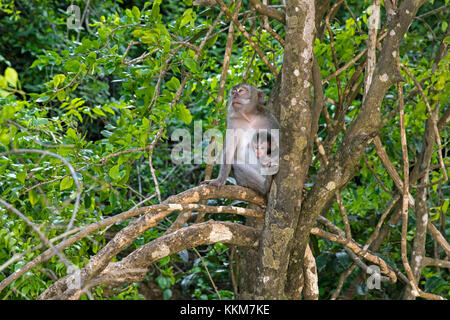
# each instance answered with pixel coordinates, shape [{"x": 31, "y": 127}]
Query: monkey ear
[{"x": 261, "y": 96}]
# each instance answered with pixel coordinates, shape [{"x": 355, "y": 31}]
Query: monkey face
[
  {"x": 261, "y": 149},
  {"x": 240, "y": 96}
]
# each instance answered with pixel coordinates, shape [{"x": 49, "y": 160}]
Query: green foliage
[
  {"x": 90, "y": 92},
  {"x": 364, "y": 198},
  {"x": 98, "y": 94}
]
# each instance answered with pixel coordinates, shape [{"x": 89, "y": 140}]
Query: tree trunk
[
  {"x": 294, "y": 103},
  {"x": 358, "y": 136}
]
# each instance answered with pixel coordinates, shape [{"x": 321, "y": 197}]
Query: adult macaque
[{"x": 246, "y": 118}]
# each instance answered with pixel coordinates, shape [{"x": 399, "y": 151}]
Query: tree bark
[
  {"x": 295, "y": 150},
  {"x": 357, "y": 137}
]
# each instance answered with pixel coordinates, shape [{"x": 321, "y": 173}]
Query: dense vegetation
[{"x": 87, "y": 110}]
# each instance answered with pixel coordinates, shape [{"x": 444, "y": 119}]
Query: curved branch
[
  {"x": 268, "y": 11},
  {"x": 152, "y": 215},
  {"x": 134, "y": 266},
  {"x": 202, "y": 192},
  {"x": 357, "y": 250}
]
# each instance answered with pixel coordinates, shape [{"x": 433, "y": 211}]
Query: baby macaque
[
  {"x": 246, "y": 119},
  {"x": 262, "y": 146}
]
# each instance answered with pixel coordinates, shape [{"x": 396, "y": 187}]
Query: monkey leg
[{"x": 251, "y": 177}]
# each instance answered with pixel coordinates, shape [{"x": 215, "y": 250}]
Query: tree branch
[
  {"x": 248, "y": 37},
  {"x": 152, "y": 215},
  {"x": 268, "y": 11},
  {"x": 134, "y": 267},
  {"x": 355, "y": 140}
]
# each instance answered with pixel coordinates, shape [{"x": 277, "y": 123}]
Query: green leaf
[
  {"x": 4, "y": 137},
  {"x": 8, "y": 112},
  {"x": 145, "y": 124},
  {"x": 3, "y": 83},
  {"x": 136, "y": 12},
  {"x": 72, "y": 134},
  {"x": 183, "y": 114},
  {"x": 163, "y": 282},
  {"x": 167, "y": 294},
  {"x": 124, "y": 176},
  {"x": 99, "y": 112},
  {"x": 87, "y": 201},
  {"x": 108, "y": 109},
  {"x": 61, "y": 95},
  {"x": 114, "y": 172},
  {"x": 190, "y": 64},
  {"x": 66, "y": 183},
  {"x": 102, "y": 34},
  {"x": 76, "y": 113},
  {"x": 214, "y": 83},
  {"x": 445, "y": 206},
  {"x": 435, "y": 213},
  {"x": 173, "y": 84},
  {"x": 65, "y": 151},
  {"x": 11, "y": 76},
  {"x": 128, "y": 13},
  {"x": 72, "y": 65},
  {"x": 187, "y": 17},
  {"x": 155, "y": 10},
  {"x": 4, "y": 93},
  {"x": 36, "y": 63},
  {"x": 21, "y": 176},
  {"x": 43, "y": 98},
  {"x": 91, "y": 57},
  {"x": 58, "y": 79},
  {"x": 110, "y": 67},
  {"x": 33, "y": 197}
]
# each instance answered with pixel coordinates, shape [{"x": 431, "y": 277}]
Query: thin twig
[
  {"x": 433, "y": 120},
  {"x": 366, "y": 162},
  {"x": 248, "y": 37},
  {"x": 336, "y": 65},
  {"x": 351, "y": 244},
  {"x": 233, "y": 277},
  {"x": 155, "y": 179},
  {"x": 353, "y": 16},
  {"x": 207, "y": 271},
  {"x": 270, "y": 30},
  {"x": 429, "y": 13},
  {"x": 348, "y": 233},
  {"x": 268, "y": 11},
  {"x": 351, "y": 62},
  {"x": 67, "y": 164},
  {"x": 56, "y": 251},
  {"x": 366, "y": 246},
  {"x": 405, "y": 194}
]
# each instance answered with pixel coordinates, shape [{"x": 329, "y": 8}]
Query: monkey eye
[{"x": 241, "y": 90}]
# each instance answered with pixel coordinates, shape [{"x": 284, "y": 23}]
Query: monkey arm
[{"x": 227, "y": 159}]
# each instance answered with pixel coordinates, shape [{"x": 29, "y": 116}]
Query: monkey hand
[
  {"x": 267, "y": 163},
  {"x": 214, "y": 182}
]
